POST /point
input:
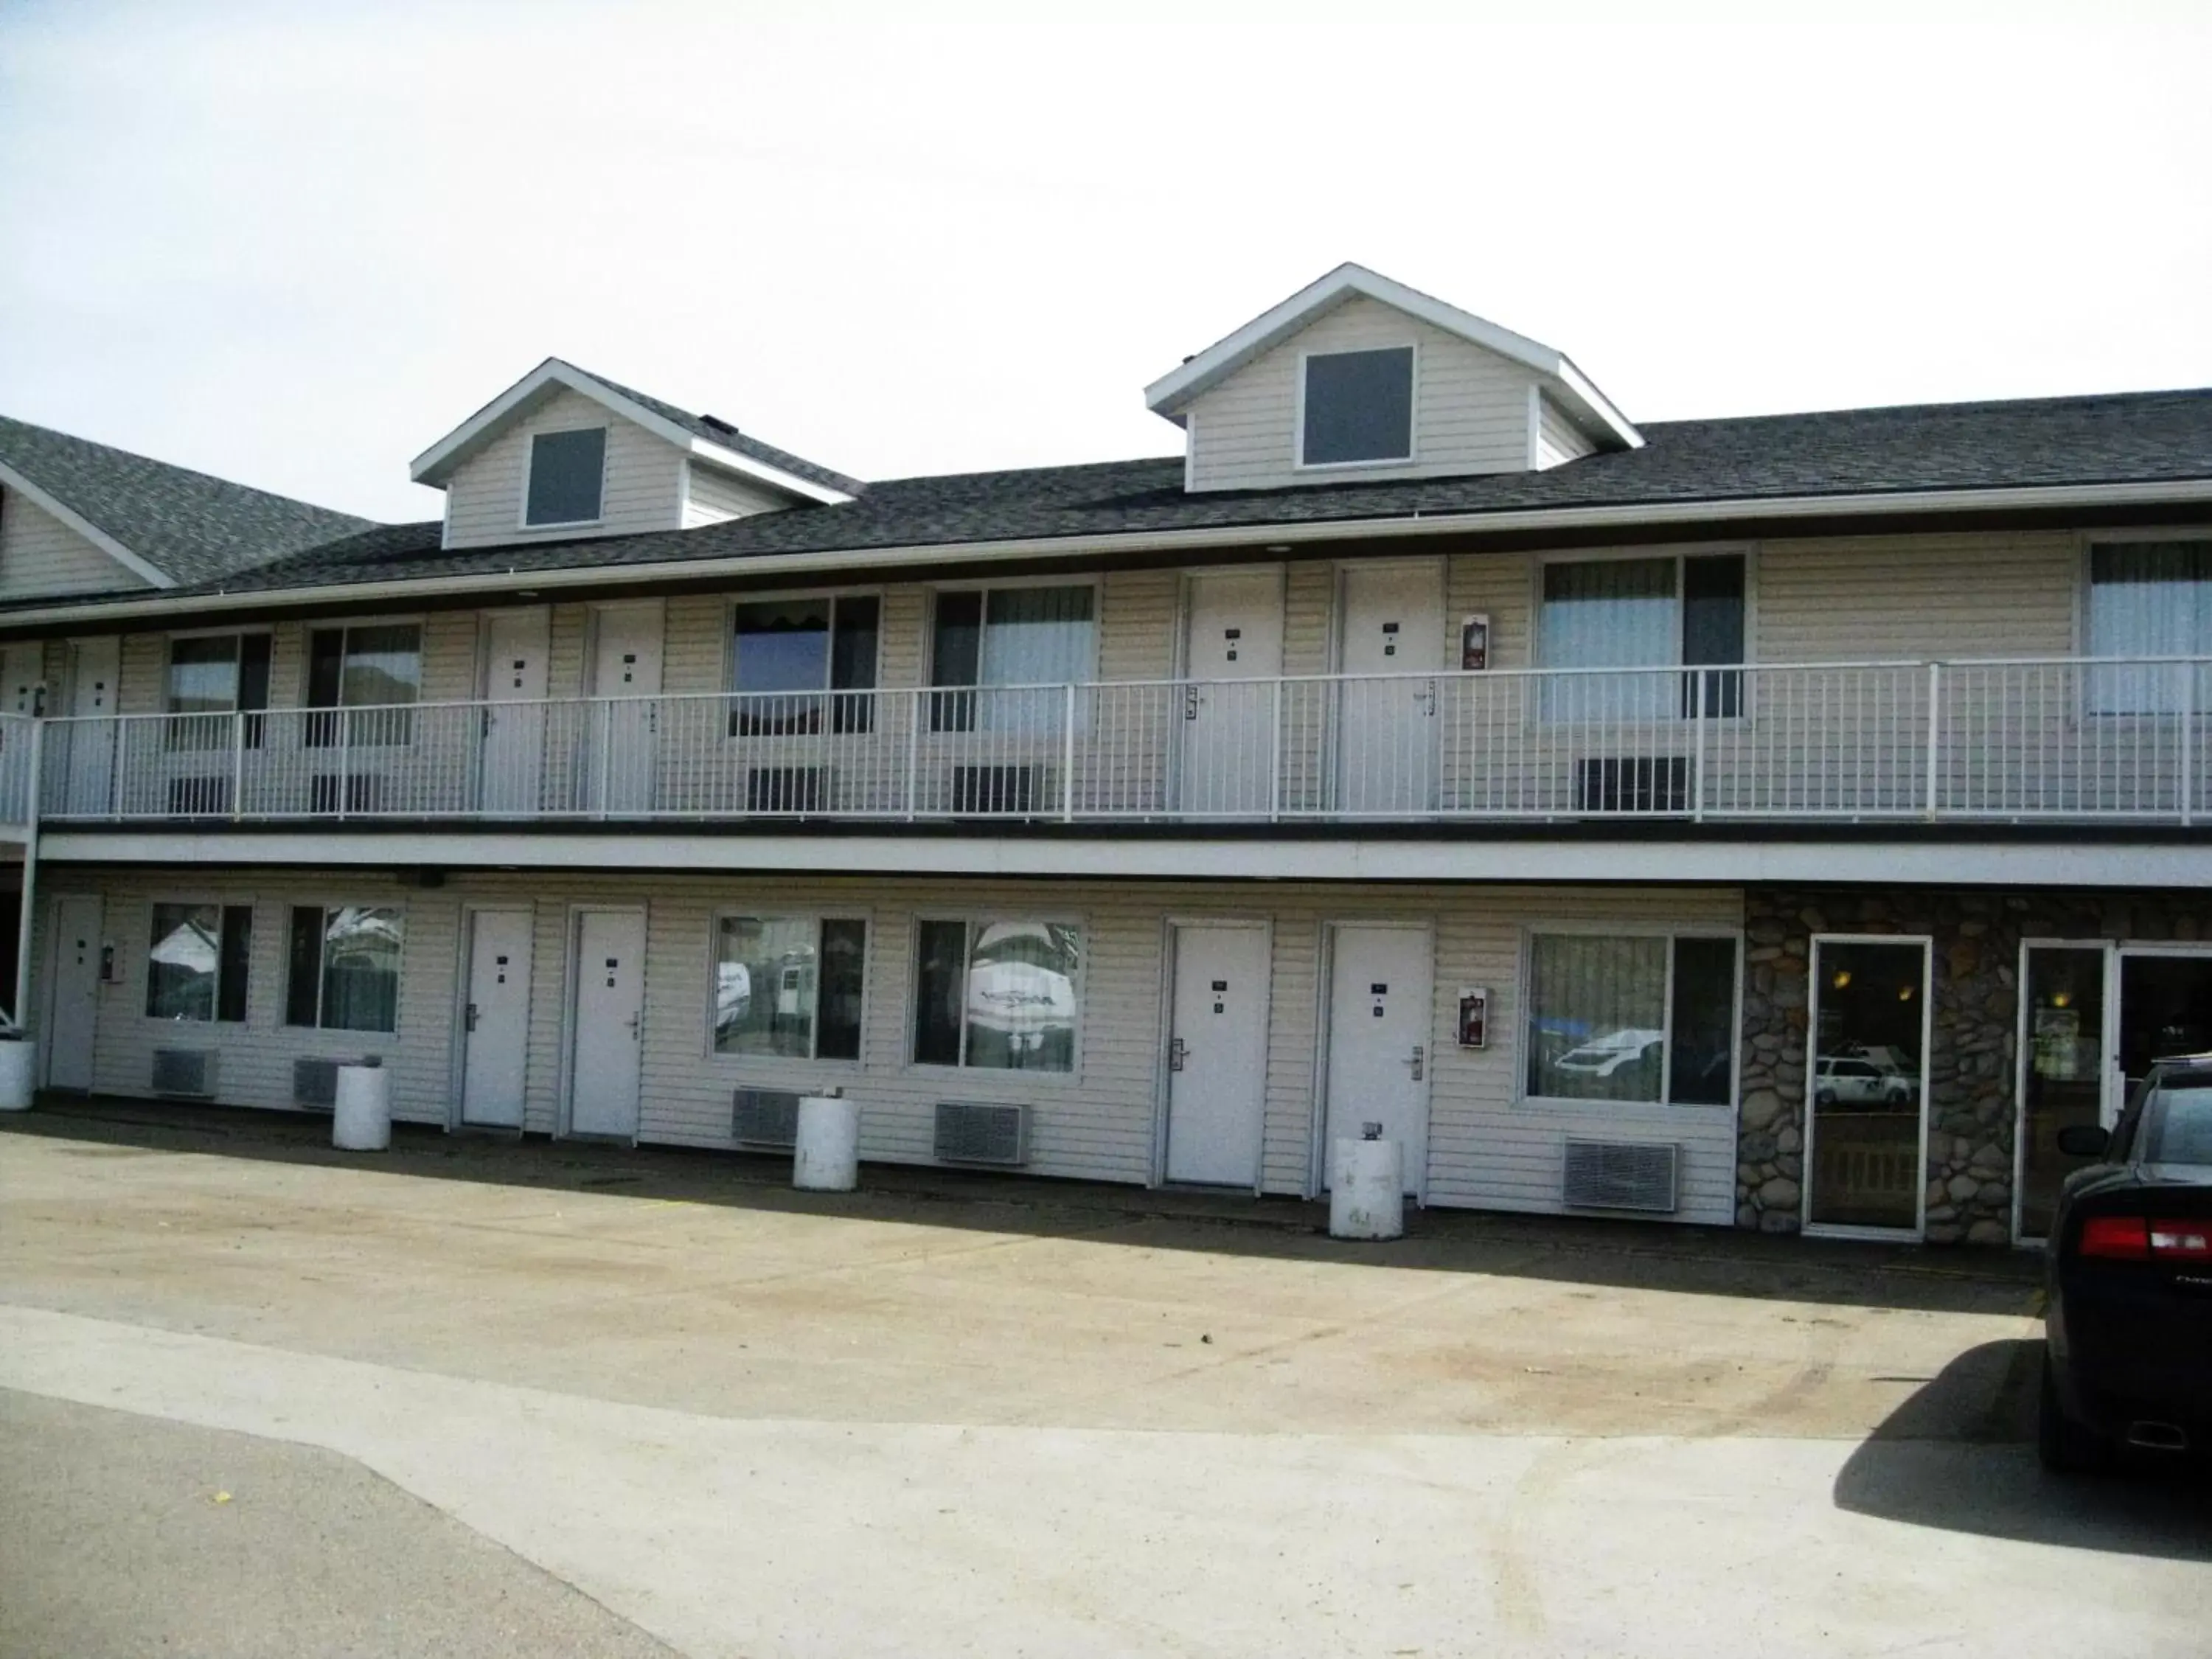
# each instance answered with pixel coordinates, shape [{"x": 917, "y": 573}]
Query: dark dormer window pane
[
  {"x": 1360, "y": 406},
  {"x": 566, "y": 468}
]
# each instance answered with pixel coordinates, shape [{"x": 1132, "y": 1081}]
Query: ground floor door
[
  {"x": 496, "y": 1020},
  {"x": 73, "y": 1007},
  {"x": 605, "y": 1015},
  {"x": 1218, "y": 1054},
  {"x": 1380, "y": 1006},
  {"x": 1866, "y": 1135}
]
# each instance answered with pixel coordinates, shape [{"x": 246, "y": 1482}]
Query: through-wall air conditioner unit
[
  {"x": 202, "y": 797},
  {"x": 359, "y": 792},
  {"x": 786, "y": 788},
  {"x": 315, "y": 1083},
  {"x": 184, "y": 1073},
  {"x": 1620, "y": 1175},
  {"x": 970, "y": 1133},
  {"x": 980, "y": 790},
  {"x": 1633, "y": 783},
  {"x": 765, "y": 1119}
]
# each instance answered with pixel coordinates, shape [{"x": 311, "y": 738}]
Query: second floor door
[
  {"x": 1391, "y": 649},
  {"x": 514, "y": 727},
  {"x": 1232, "y": 661},
  {"x": 626, "y": 653}
]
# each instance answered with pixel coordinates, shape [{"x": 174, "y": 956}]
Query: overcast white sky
[{"x": 295, "y": 244}]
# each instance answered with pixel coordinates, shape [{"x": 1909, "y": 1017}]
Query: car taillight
[
  {"x": 2190, "y": 1241},
  {"x": 2116, "y": 1237}
]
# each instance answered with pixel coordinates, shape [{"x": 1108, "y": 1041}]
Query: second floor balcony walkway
[{"x": 2015, "y": 740}]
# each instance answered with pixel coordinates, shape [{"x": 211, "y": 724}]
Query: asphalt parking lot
[{"x": 490, "y": 1397}]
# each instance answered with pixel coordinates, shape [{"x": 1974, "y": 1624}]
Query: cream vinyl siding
[
  {"x": 39, "y": 555},
  {"x": 1558, "y": 439},
  {"x": 1470, "y": 407},
  {"x": 1873, "y": 598},
  {"x": 643, "y": 488},
  {"x": 713, "y": 495},
  {"x": 1104, "y": 1121}
]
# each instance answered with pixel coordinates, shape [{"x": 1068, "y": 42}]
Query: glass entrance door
[
  {"x": 1864, "y": 1162},
  {"x": 2061, "y": 1070}
]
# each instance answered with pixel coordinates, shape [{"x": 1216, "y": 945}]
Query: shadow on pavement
[
  {"x": 1959, "y": 1455},
  {"x": 1592, "y": 1251}
]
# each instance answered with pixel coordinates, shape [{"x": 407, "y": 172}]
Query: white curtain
[
  {"x": 1609, "y": 613},
  {"x": 2149, "y": 599},
  {"x": 1036, "y": 636}
]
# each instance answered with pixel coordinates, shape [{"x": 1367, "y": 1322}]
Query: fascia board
[{"x": 47, "y": 502}]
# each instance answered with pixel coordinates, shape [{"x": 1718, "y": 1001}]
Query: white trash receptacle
[
  {"x": 827, "y": 1158},
  {"x": 19, "y": 1065},
  {"x": 363, "y": 1121},
  {"x": 1367, "y": 1200}
]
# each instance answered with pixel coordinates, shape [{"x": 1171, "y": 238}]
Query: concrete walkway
[{"x": 922, "y": 1424}]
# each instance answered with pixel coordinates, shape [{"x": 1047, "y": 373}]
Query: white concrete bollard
[
  {"x": 363, "y": 1121},
  {"x": 827, "y": 1158},
  {"x": 19, "y": 1065},
  {"x": 1367, "y": 1200}
]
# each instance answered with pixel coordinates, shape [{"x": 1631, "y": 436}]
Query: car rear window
[{"x": 2183, "y": 1127}]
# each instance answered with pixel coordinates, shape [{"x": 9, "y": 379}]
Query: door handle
[
  {"x": 1420, "y": 1059},
  {"x": 632, "y": 1022},
  {"x": 1428, "y": 700},
  {"x": 1177, "y": 1053},
  {"x": 471, "y": 1021},
  {"x": 1190, "y": 702}
]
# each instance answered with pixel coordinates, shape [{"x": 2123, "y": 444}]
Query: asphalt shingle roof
[
  {"x": 192, "y": 527},
  {"x": 2120, "y": 438},
  {"x": 720, "y": 432}
]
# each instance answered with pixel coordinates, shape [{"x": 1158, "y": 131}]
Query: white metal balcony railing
[{"x": 2058, "y": 739}]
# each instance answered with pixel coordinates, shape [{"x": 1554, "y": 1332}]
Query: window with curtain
[
  {"x": 1008, "y": 637},
  {"x": 375, "y": 671},
  {"x": 1649, "y": 1020},
  {"x": 345, "y": 967},
  {"x": 997, "y": 995},
  {"x": 787, "y": 654},
  {"x": 1642, "y": 613},
  {"x": 212, "y": 676},
  {"x": 2149, "y": 599},
  {"x": 789, "y": 987},
  {"x": 197, "y": 960}
]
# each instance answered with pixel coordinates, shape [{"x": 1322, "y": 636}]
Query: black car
[{"x": 2128, "y": 1358}]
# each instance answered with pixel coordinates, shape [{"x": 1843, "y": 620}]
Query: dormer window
[
  {"x": 1357, "y": 408},
  {"x": 566, "y": 472}
]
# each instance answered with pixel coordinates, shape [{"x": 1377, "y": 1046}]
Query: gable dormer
[
  {"x": 1357, "y": 377},
  {"x": 562, "y": 453}
]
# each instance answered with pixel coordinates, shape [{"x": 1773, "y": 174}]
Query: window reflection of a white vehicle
[
  {"x": 733, "y": 993},
  {"x": 1860, "y": 1080},
  {"x": 1603, "y": 1056}
]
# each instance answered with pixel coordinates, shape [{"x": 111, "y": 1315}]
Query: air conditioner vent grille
[
  {"x": 767, "y": 1118},
  {"x": 1620, "y": 1175},
  {"x": 970, "y": 1133},
  {"x": 185, "y": 1073},
  {"x": 315, "y": 1083}
]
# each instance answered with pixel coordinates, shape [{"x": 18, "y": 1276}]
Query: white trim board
[{"x": 1712, "y": 863}]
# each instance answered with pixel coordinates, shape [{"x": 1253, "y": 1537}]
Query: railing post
[
  {"x": 1067, "y": 756},
  {"x": 1934, "y": 729},
  {"x": 913, "y": 748},
  {"x": 1275, "y": 756},
  {"x": 1697, "y": 752},
  {"x": 27, "y": 915},
  {"x": 2187, "y": 790},
  {"x": 237, "y": 765}
]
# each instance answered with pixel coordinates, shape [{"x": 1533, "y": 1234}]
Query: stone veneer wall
[{"x": 1972, "y": 1061}]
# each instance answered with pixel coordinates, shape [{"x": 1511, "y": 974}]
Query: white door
[
  {"x": 1218, "y": 1055},
  {"x": 91, "y": 759},
  {"x": 495, "y": 1024},
  {"x": 74, "y": 1009},
  {"x": 609, "y": 1008},
  {"x": 1381, "y": 1035},
  {"x": 1234, "y": 652},
  {"x": 1394, "y": 625},
  {"x": 625, "y": 667},
  {"x": 514, "y": 760},
  {"x": 22, "y": 668}
]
